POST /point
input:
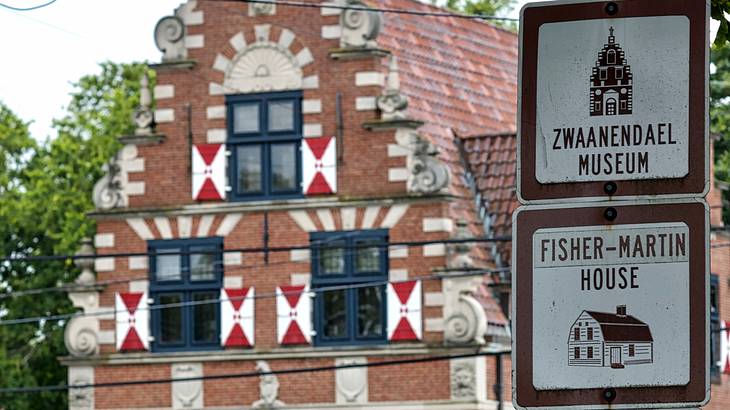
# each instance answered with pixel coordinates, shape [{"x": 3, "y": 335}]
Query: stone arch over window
[{"x": 274, "y": 61}]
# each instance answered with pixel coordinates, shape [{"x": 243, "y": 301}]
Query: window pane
[
  {"x": 367, "y": 259},
  {"x": 171, "y": 319},
  {"x": 335, "y": 316},
  {"x": 281, "y": 115},
  {"x": 332, "y": 260},
  {"x": 202, "y": 265},
  {"x": 249, "y": 168},
  {"x": 246, "y": 118},
  {"x": 167, "y": 266},
  {"x": 283, "y": 167},
  {"x": 369, "y": 312},
  {"x": 204, "y": 317}
]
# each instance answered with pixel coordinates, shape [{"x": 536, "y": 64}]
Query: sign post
[{"x": 611, "y": 253}]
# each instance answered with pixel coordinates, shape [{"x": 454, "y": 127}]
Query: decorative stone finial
[
  {"x": 268, "y": 388},
  {"x": 87, "y": 277},
  {"x": 359, "y": 27},
  {"x": 428, "y": 174},
  {"x": 392, "y": 103},
  {"x": 143, "y": 116},
  {"x": 460, "y": 258},
  {"x": 169, "y": 38}
]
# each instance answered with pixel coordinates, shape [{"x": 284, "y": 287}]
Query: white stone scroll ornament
[
  {"x": 427, "y": 174},
  {"x": 81, "y": 335},
  {"x": 170, "y": 38},
  {"x": 360, "y": 28}
]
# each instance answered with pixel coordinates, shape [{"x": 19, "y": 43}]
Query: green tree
[
  {"x": 46, "y": 193},
  {"x": 483, "y": 7}
]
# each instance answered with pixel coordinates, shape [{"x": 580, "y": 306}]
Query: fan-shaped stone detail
[{"x": 263, "y": 66}]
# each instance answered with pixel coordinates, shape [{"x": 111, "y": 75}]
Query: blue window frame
[
  {"x": 264, "y": 139},
  {"x": 181, "y": 275},
  {"x": 353, "y": 316}
]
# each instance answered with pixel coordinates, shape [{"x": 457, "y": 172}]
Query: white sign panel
[
  {"x": 611, "y": 306},
  {"x": 613, "y": 100}
]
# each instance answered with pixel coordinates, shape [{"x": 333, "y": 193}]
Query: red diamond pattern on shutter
[
  {"x": 209, "y": 172},
  {"x": 132, "y": 322},
  {"x": 319, "y": 166},
  {"x": 404, "y": 311},
  {"x": 724, "y": 362},
  {"x": 294, "y": 315},
  {"x": 237, "y": 317}
]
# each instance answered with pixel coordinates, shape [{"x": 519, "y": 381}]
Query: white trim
[
  {"x": 395, "y": 150},
  {"x": 299, "y": 255},
  {"x": 184, "y": 226},
  {"x": 325, "y": 217},
  {"x": 238, "y": 41},
  {"x": 164, "y": 115},
  {"x": 397, "y": 275},
  {"x": 434, "y": 249},
  {"x": 312, "y": 130},
  {"x": 233, "y": 282},
  {"x": 311, "y": 106},
  {"x": 303, "y": 220},
  {"x": 139, "y": 226},
  {"x": 215, "y": 112},
  {"x": 331, "y": 32},
  {"x": 327, "y": 11},
  {"x": 310, "y": 82},
  {"x": 139, "y": 286},
  {"x": 438, "y": 225},
  {"x": 137, "y": 263},
  {"x": 298, "y": 279},
  {"x": 347, "y": 216},
  {"x": 394, "y": 215},
  {"x": 433, "y": 324},
  {"x": 232, "y": 258},
  {"x": 397, "y": 251},
  {"x": 369, "y": 217},
  {"x": 216, "y": 89},
  {"x": 163, "y": 91},
  {"x": 194, "y": 41},
  {"x": 216, "y": 135},
  {"x": 365, "y": 103},
  {"x": 433, "y": 299},
  {"x": 369, "y": 78},
  {"x": 262, "y": 32},
  {"x": 286, "y": 38},
  {"x": 398, "y": 174},
  {"x": 104, "y": 240},
  {"x": 304, "y": 57},
  {"x": 221, "y": 63},
  {"x": 204, "y": 225},
  {"x": 228, "y": 224},
  {"x": 104, "y": 264},
  {"x": 163, "y": 227},
  {"x": 134, "y": 188}
]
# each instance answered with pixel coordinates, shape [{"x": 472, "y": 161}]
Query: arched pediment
[{"x": 263, "y": 66}]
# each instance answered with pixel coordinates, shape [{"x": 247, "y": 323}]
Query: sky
[{"x": 46, "y": 50}]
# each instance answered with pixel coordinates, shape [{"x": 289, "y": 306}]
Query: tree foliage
[{"x": 46, "y": 192}]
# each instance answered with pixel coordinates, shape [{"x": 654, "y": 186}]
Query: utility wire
[
  {"x": 243, "y": 375},
  {"x": 40, "y": 258},
  {"x": 377, "y": 9},
  {"x": 26, "y": 320},
  {"x": 40, "y": 6}
]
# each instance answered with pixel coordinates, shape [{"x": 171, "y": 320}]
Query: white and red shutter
[
  {"x": 405, "y": 311},
  {"x": 724, "y": 362},
  {"x": 133, "y": 322},
  {"x": 293, "y": 315},
  {"x": 237, "y": 320},
  {"x": 209, "y": 172},
  {"x": 319, "y": 166}
]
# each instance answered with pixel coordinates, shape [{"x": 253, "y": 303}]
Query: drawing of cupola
[{"x": 611, "y": 81}]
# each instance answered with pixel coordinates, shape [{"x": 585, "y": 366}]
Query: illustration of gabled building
[
  {"x": 609, "y": 340},
  {"x": 611, "y": 81}
]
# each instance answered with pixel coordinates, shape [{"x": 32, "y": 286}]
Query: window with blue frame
[
  {"x": 264, "y": 138},
  {"x": 186, "y": 275},
  {"x": 356, "y": 315}
]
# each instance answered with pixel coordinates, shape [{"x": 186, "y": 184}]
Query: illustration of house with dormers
[
  {"x": 611, "y": 81},
  {"x": 609, "y": 340}
]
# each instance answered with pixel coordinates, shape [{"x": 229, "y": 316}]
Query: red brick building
[
  {"x": 284, "y": 206},
  {"x": 298, "y": 160}
]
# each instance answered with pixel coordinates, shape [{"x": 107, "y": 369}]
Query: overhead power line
[
  {"x": 108, "y": 312},
  {"x": 244, "y": 375},
  {"x": 377, "y": 9},
  {"x": 40, "y": 6},
  {"x": 63, "y": 257}
]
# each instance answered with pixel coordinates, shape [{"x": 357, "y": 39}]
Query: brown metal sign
[
  {"x": 613, "y": 100},
  {"x": 610, "y": 307}
]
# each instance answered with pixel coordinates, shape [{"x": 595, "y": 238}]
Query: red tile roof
[{"x": 460, "y": 76}]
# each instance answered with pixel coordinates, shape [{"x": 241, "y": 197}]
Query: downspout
[{"x": 498, "y": 383}]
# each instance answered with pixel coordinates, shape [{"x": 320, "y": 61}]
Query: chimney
[{"x": 621, "y": 310}]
